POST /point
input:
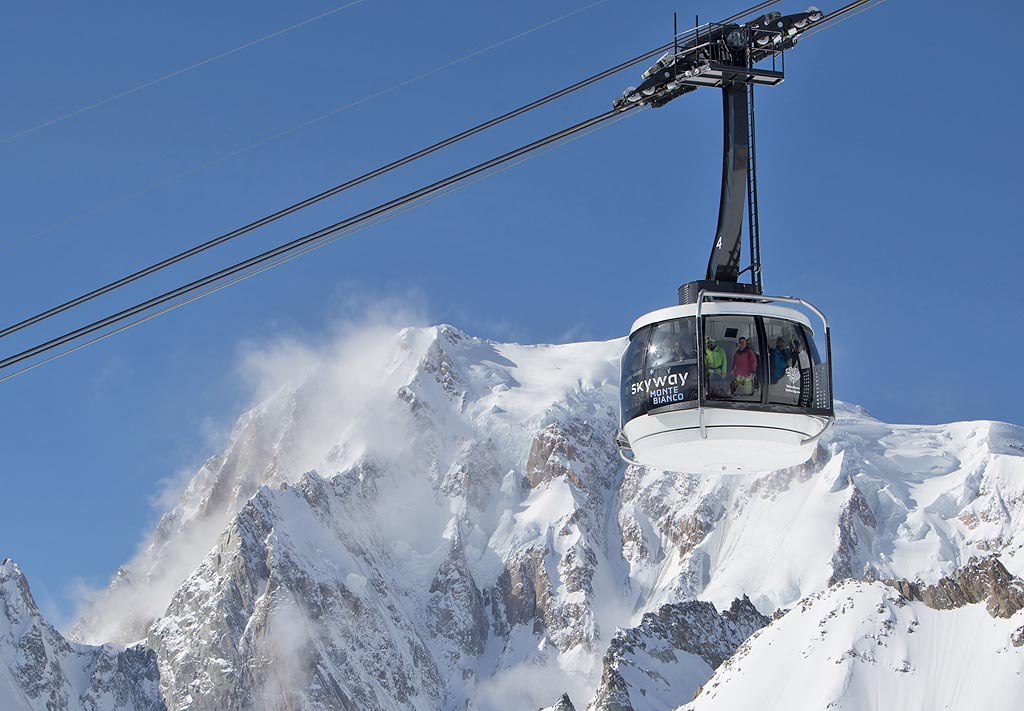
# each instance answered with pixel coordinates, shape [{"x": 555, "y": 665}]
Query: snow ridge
[
  {"x": 41, "y": 670},
  {"x": 668, "y": 657},
  {"x": 428, "y": 520},
  {"x": 861, "y": 645}
]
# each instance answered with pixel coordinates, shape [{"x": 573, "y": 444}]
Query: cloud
[
  {"x": 142, "y": 590},
  {"x": 344, "y": 391},
  {"x": 282, "y": 654},
  {"x": 530, "y": 686},
  {"x": 171, "y": 488},
  {"x": 354, "y": 308},
  {"x": 575, "y": 333},
  {"x": 114, "y": 370},
  {"x": 316, "y": 404}
]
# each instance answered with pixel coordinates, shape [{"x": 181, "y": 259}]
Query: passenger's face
[{"x": 743, "y": 342}]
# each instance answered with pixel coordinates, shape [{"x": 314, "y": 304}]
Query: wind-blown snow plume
[{"x": 316, "y": 408}]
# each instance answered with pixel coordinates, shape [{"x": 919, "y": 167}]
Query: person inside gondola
[
  {"x": 681, "y": 362},
  {"x": 779, "y": 358},
  {"x": 744, "y": 369},
  {"x": 715, "y": 363},
  {"x": 678, "y": 353},
  {"x": 800, "y": 358}
]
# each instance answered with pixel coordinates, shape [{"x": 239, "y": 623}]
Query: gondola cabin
[
  {"x": 727, "y": 384},
  {"x": 730, "y": 380}
]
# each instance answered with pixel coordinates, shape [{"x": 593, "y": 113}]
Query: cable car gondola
[
  {"x": 730, "y": 380},
  {"x": 725, "y": 384}
]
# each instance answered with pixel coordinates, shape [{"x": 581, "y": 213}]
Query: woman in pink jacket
[{"x": 744, "y": 369}]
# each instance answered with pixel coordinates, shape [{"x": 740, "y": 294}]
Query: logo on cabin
[
  {"x": 793, "y": 376},
  {"x": 663, "y": 389}
]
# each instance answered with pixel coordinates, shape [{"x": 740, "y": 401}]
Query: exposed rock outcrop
[
  {"x": 856, "y": 523},
  {"x": 671, "y": 653},
  {"x": 564, "y": 704},
  {"x": 53, "y": 674},
  {"x": 291, "y": 630},
  {"x": 455, "y": 611},
  {"x": 981, "y": 580}
]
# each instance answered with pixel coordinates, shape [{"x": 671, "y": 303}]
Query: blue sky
[{"x": 890, "y": 190}]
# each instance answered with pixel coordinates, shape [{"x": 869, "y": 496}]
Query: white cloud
[
  {"x": 530, "y": 686},
  {"x": 283, "y": 650},
  {"x": 347, "y": 385}
]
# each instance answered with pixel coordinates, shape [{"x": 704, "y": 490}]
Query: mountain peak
[
  {"x": 15, "y": 594},
  {"x": 424, "y": 519},
  {"x": 40, "y": 669}
]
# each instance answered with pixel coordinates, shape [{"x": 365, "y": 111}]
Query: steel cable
[
  {"x": 841, "y": 15},
  {"x": 177, "y": 72},
  {"x": 328, "y": 240},
  {"x": 314, "y": 240},
  {"x": 292, "y": 129},
  {"x": 210, "y": 244},
  {"x": 308, "y": 239}
]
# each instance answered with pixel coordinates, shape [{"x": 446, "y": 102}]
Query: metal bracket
[
  {"x": 622, "y": 442},
  {"x": 814, "y": 438},
  {"x": 700, "y": 365}
]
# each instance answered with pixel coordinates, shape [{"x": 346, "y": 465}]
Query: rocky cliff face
[
  {"x": 426, "y": 520},
  {"x": 292, "y": 621},
  {"x": 981, "y": 580},
  {"x": 663, "y": 661},
  {"x": 41, "y": 670},
  {"x": 564, "y": 704}
]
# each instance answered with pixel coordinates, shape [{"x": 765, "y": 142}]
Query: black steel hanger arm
[{"x": 724, "y": 263}]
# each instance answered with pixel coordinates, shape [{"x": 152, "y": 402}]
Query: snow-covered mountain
[
  {"x": 42, "y": 671},
  {"x": 426, "y": 520},
  {"x": 862, "y": 645}
]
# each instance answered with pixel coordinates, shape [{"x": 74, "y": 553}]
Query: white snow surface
[
  {"x": 456, "y": 510},
  {"x": 861, "y": 647}
]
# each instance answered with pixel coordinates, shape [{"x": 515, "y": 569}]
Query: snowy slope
[
  {"x": 861, "y": 646},
  {"x": 879, "y": 501},
  {"x": 428, "y": 520}
]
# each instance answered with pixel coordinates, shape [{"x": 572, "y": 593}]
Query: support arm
[{"x": 724, "y": 264}]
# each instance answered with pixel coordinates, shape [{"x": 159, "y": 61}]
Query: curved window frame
[
  {"x": 641, "y": 338},
  {"x": 805, "y": 346}
]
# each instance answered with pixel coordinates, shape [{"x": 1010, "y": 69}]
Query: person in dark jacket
[{"x": 779, "y": 358}]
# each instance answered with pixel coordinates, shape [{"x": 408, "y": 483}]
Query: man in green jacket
[{"x": 715, "y": 364}]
